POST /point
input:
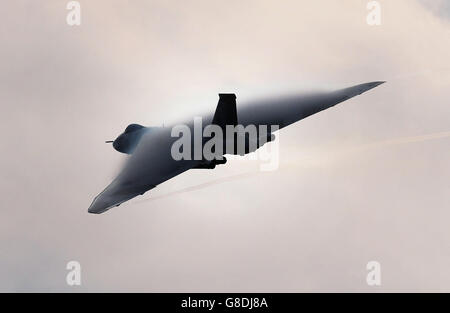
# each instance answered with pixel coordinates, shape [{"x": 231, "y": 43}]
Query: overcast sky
[{"x": 356, "y": 183}]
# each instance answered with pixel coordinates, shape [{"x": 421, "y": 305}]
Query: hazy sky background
[{"x": 312, "y": 225}]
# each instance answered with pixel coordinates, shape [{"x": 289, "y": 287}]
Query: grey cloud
[{"x": 439, "y": 7}]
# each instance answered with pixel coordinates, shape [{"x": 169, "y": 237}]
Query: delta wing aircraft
[{"x": 151, "y": 160}]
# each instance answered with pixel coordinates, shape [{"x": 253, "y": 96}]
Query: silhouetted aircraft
[{"x": 152, "y": 163}]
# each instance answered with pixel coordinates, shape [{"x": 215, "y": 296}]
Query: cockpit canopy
[{"x": 132, "y": 127}]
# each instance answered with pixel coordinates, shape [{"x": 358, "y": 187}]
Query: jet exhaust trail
[{"x": 204, "y": 185}]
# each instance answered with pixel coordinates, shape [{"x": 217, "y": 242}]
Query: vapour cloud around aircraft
[{"x": 161, "y": 153}]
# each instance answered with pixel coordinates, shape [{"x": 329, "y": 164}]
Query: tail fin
[{"x": 226, "y": 112}]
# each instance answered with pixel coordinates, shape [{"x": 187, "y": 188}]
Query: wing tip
[{"x": 102, "y": 203}]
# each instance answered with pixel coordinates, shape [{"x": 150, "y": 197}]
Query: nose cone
[
  {"x": 126, "y": 143},
  {"x": 118, "y": 144}
]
